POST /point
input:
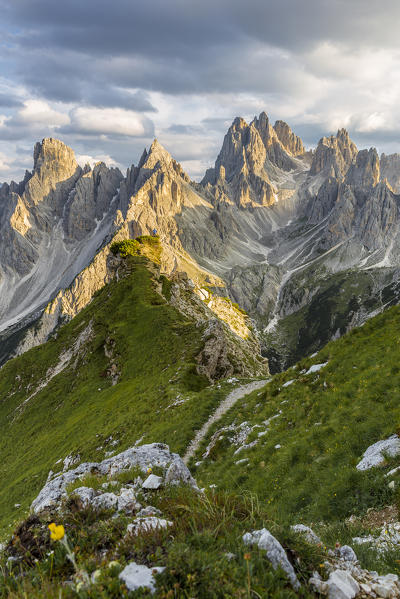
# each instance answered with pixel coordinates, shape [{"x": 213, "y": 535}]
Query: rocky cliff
[{"x": 267, "y": 213}]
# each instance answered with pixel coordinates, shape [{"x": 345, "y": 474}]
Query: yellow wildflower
[
  {"x": 149, "y": 470},
  {"x": 56, "y": 532}
]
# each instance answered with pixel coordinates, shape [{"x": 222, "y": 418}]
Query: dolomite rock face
[
  {"x": 248, "y": 154},
  {"x": 90, "y": 200},
  {"x": 267, "y": 227},
  {"x": 51, "y": 225},
  {"x": 230, "y": 346},
  {"x": 390, "y": 170},
  {"x": 334, "y": 155},
  {"x": 144, "y": 456},
  {"x": 288, "y": 139},
  {"x": 365, "y": 171}
]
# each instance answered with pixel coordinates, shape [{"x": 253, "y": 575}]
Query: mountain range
[
  {"x": 159, "y": 307},
  {"x": 306, "y": 242}
]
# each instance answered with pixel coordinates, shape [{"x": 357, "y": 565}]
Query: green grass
[
  {"x": 205, "y": 528},
  {"x": 143, "y": 245},
  {"x": 332, "y": 303},
  {"x": 327, "y": 421},
  {"x": 153, "y": 347}
]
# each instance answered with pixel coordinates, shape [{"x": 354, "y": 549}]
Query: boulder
[
  {"x": 341, "y": 585},
  {"x": 307, "y": 532},
  {"x": 127, "y": 500},
  {"x": 152, "y": 482},
  {"x": 136, "y": 577},
  {"x": 375, "y": 454},
  {"x": 85, "y": 494},
  {"x": 148, "y": 511},
  {"x": 179, "y": 473},
  {"x": 147, "y": 524},
  {"x": 144, "y": 456},
  {"x": 387, "y": 586},
  {"x": 346, "y": 553},
  {"x": 275, "y": 552},
  {"x": 105, "y": 501}
]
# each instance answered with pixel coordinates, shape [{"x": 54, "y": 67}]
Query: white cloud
[
  {"x": 39, "y": 113},
  {"x": 83, "y": 159},
  {"x": 107, "y": 121}
]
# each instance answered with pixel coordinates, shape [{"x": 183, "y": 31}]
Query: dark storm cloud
[
  {"x": 8, "y": 101},
  {"x": 300, "y": 60},
  {"x": 168, "y": 27},
  {"x": 177, "y": 47}
]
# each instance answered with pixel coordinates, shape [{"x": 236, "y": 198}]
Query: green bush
[{"x": 138, "y": 246}]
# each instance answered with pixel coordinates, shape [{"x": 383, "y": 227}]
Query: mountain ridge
[{"x": 265, "y": 213}]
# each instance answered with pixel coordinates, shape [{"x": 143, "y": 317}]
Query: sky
[{"x": 108, "y": 77}]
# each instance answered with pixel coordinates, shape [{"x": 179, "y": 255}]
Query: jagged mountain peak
[
  {"x": 157, "y": 156},
  {"x": 238, "y": 123},
  {"x": 291, "y": 142},
  {"x": 365, "y": 171},
  {"x": 52, "y": 152},
  {"x": 255, "y": 148},
  {"x": 343, "y": 134},
  {"x": 334, "y": 154}
]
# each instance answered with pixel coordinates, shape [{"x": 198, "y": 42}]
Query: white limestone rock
[
  {"x": 341, "y": 585},
  {"x": 85, "y": 494},
  {"x": 127, "y": 500},
  {"x": 275, "y": 552},
  {"x": 387, "y": 586},
  {"x": 105, "y": 501},
  {"x": 137, "y": 577},
  {"x": 375, "y": 454},
  {"x": 387, "y": 540},
  {"x": 346, "y": 553},
  {"x": 179, "y": 473},
  {"x": 144, "y": 456},
  {"x": 316, "y": 368},
  {"x": 307, "y": 532},
  {"x": 152, "y": 482},
  {"x": 148, "y": 511},
  {"x": 147, "y": 524}
]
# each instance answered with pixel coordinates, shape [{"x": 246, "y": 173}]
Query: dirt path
[{"x": 223, "y": 407}]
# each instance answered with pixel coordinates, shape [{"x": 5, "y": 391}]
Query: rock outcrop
[
  {"x": 253, "y": 230},
  {"x": 143, "y": 457},
  {"x": 51, "y": 225},
  {"x": 334, "y": 155},
  {"x": 291, "y": 142}
]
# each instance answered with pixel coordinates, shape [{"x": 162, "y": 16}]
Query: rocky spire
[
  {"x": 291, "y": 142},
  {"x": 55, "y": 171},
  {"x": 390, "y": 170},
  {"x": 365, "y": 172},
  {"x": 52, "y": 155},
  {"x": 266, "y": 131},
  {"x": 334, "y": 154}
]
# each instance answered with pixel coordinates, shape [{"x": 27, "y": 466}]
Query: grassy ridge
[
  {"x": 153, "y": 348},
  {"x": 304, "y": 466}
]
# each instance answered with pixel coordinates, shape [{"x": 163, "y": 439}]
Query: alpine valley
[{"x": 200, "y": 380}]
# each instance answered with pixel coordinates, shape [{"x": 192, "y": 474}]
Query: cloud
[
  {"x": 35, "y": 117},
  {"x": 108, "y": 121},
  {"x": 108, "y": 77},
  {"x": 84, "y": 159},
  {"x": 39, "y": 113},
  {"x": 8, "y": 101}
]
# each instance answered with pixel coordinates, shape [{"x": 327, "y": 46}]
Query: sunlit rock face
[
  {"x": 269, "y": 226},
  {"x": 51, "y": 225}
]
